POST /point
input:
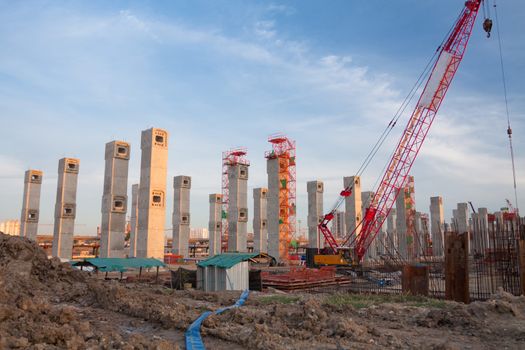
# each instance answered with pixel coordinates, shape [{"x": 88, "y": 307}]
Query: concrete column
[
  {"x": 462, "y": 220},
  {"x": 215, "y": 224},
  {"x": 181, "y": 215},
  {"x": 353, "y": 205},
  {"x": 275, "y": 248},
  {"x": 437, "y": 225},
  {"x": 401, "y": 224},
  {"x": 65, "y": 208},
  {"x": 260, "y": 222},
  {"x": 315, "y": 191},
  {"x": 238, "y": 208},
  {"x": 366, "y": 198},
  {"x": 31, "y": 204},
  {"x": 480, "y": 232},
  {"x": 114, "y": 200},
  {"x": 391, "y": 232},
  {"x": 419, "y": 236},
  {"x": 134, "y": 220},
  {"x": 152, "y": 194}
]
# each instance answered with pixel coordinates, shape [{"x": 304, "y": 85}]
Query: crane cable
[{"x": 509, "y": 129}]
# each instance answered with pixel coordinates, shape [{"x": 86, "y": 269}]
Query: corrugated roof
[
  {"x": 227, "y": 260},
  {"x": 120, "y": 264}
]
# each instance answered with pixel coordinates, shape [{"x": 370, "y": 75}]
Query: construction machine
[{"x": 445, "y": 64}]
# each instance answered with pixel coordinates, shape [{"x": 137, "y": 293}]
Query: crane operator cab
[{"x": 343, "y": 257}]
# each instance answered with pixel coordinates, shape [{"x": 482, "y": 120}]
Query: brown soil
[{"x": 45, "y": 304}]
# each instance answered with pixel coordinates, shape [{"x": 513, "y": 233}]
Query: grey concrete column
[
  {"x": 315, "y": 191},
  {"x": 181, "y": 215},
  {"x": 134, "y": 220},
  {"x": 31, "y": 204},
  {"x": 260, "y": 221},
  {"x": 65, "y": 208},
  {"x": 353, "y": 206},
  {"x": 215, "y": 224},
  {"x": 238, "y": 208},
  {"x": 391, "y": 232},
  {"x": 401, "y": 224},
  {"x": 366, "y": 198},
  {"x": 274, "y": 244},
  {"x": 152, "y": 194},
  {"x": 437, "y": 225},
  {"x": 114, "y": 200}
]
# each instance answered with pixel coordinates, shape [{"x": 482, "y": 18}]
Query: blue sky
[{"x": 220, "y": 74}]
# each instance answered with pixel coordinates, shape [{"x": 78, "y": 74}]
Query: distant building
[
  {"x": 10, "y": 227},
  {"x": 199, "y": 233},
  {"x": 339, "y": 225}
]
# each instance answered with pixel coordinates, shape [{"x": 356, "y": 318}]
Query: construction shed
[{"x": 228, "y": 271}]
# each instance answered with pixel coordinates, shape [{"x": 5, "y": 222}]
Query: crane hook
[{"x": 487, "y": 26}]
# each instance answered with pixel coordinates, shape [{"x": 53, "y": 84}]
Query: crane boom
[{"x": 393, "y": 180}]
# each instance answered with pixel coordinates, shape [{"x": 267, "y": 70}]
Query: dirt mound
[{"x": 40, "y": 302}]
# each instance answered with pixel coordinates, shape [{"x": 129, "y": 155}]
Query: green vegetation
[
  {"x": 278, "y": 299},
  {"x": 360, "y": 301}
]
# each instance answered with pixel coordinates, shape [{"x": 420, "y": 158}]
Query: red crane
[{"x": 449, "y": 57}]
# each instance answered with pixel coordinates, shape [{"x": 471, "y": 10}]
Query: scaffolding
[
  {"x": 229, "y": 158},
  {"x": 283, "y": 149}
]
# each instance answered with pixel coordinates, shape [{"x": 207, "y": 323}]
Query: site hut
[{"x": 227, "y": 271}]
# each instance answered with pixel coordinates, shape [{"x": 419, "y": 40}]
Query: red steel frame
[
  {"x": 411, "y": 141},
  {"x": 232, "y": 157},
  {"x": 284, "y": 150}
]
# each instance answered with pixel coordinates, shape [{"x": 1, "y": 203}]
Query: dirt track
[{"x": 48, "y": 305}]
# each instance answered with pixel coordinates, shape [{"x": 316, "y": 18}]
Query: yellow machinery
[{"x": 342, "y": 258}]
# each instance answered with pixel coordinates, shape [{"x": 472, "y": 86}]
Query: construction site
[{"x": 375, "y": 270}]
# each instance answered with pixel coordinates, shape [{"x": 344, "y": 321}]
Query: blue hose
[{"x": 193, "y": 333}]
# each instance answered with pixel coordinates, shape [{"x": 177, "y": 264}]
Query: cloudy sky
[{"x": 220, "y": 74}]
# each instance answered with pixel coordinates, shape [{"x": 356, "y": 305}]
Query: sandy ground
[{"x": 45, "y": 304}]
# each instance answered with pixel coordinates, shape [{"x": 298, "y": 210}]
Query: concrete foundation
[
  {"x": 260, "y": 221},
  {"x": 315, "y": 191},
  {"x": 437, "y": 221},
  {"x": 134, "y": 220},
  {"x": 215, "y": 224},
  {"x": 114, "y": 200},
  {"x": 181, "y": 215},
  {"x": 65, "y": 208},
  {"x": 353, "y": 207},
  {"x": 31, "y": 204},
  {"x": 152, "y": 194},
  {"x": 238, "y": 208}
]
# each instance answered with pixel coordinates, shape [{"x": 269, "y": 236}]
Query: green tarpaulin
[{"x": 119, "y": 264}]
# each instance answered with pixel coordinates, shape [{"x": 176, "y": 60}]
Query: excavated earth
[{"x": 46, "y": 304}]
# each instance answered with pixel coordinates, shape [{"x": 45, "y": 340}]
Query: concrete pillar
[
  {"x": 462, "y": 219},
  {"x": 215, "y": 224},
  {"x": 437, "y": 225},
  {"x": 401, "y": 224},
  {"x": 353, "y": 206},
  {"x": 480, "y": 231},
  {"x": 391, "y": 232},
  {"x": 31, "y": 204},
  {"x": 152, "y": 194},
  {"x": 181, "y": 215},
  {"x": 134, "y": 220},
  {"x": 315, "y": 191},
  {"x": 114, "y": 200},
  {"x": 275, "y": 248},
  {"x": 419, "y": 235},
  {"x": 366, "y": 198},
  {"x": 238, "y": 208},
  {"x": 65, "y": 208},
  {"x": 260, "y": 222}
]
